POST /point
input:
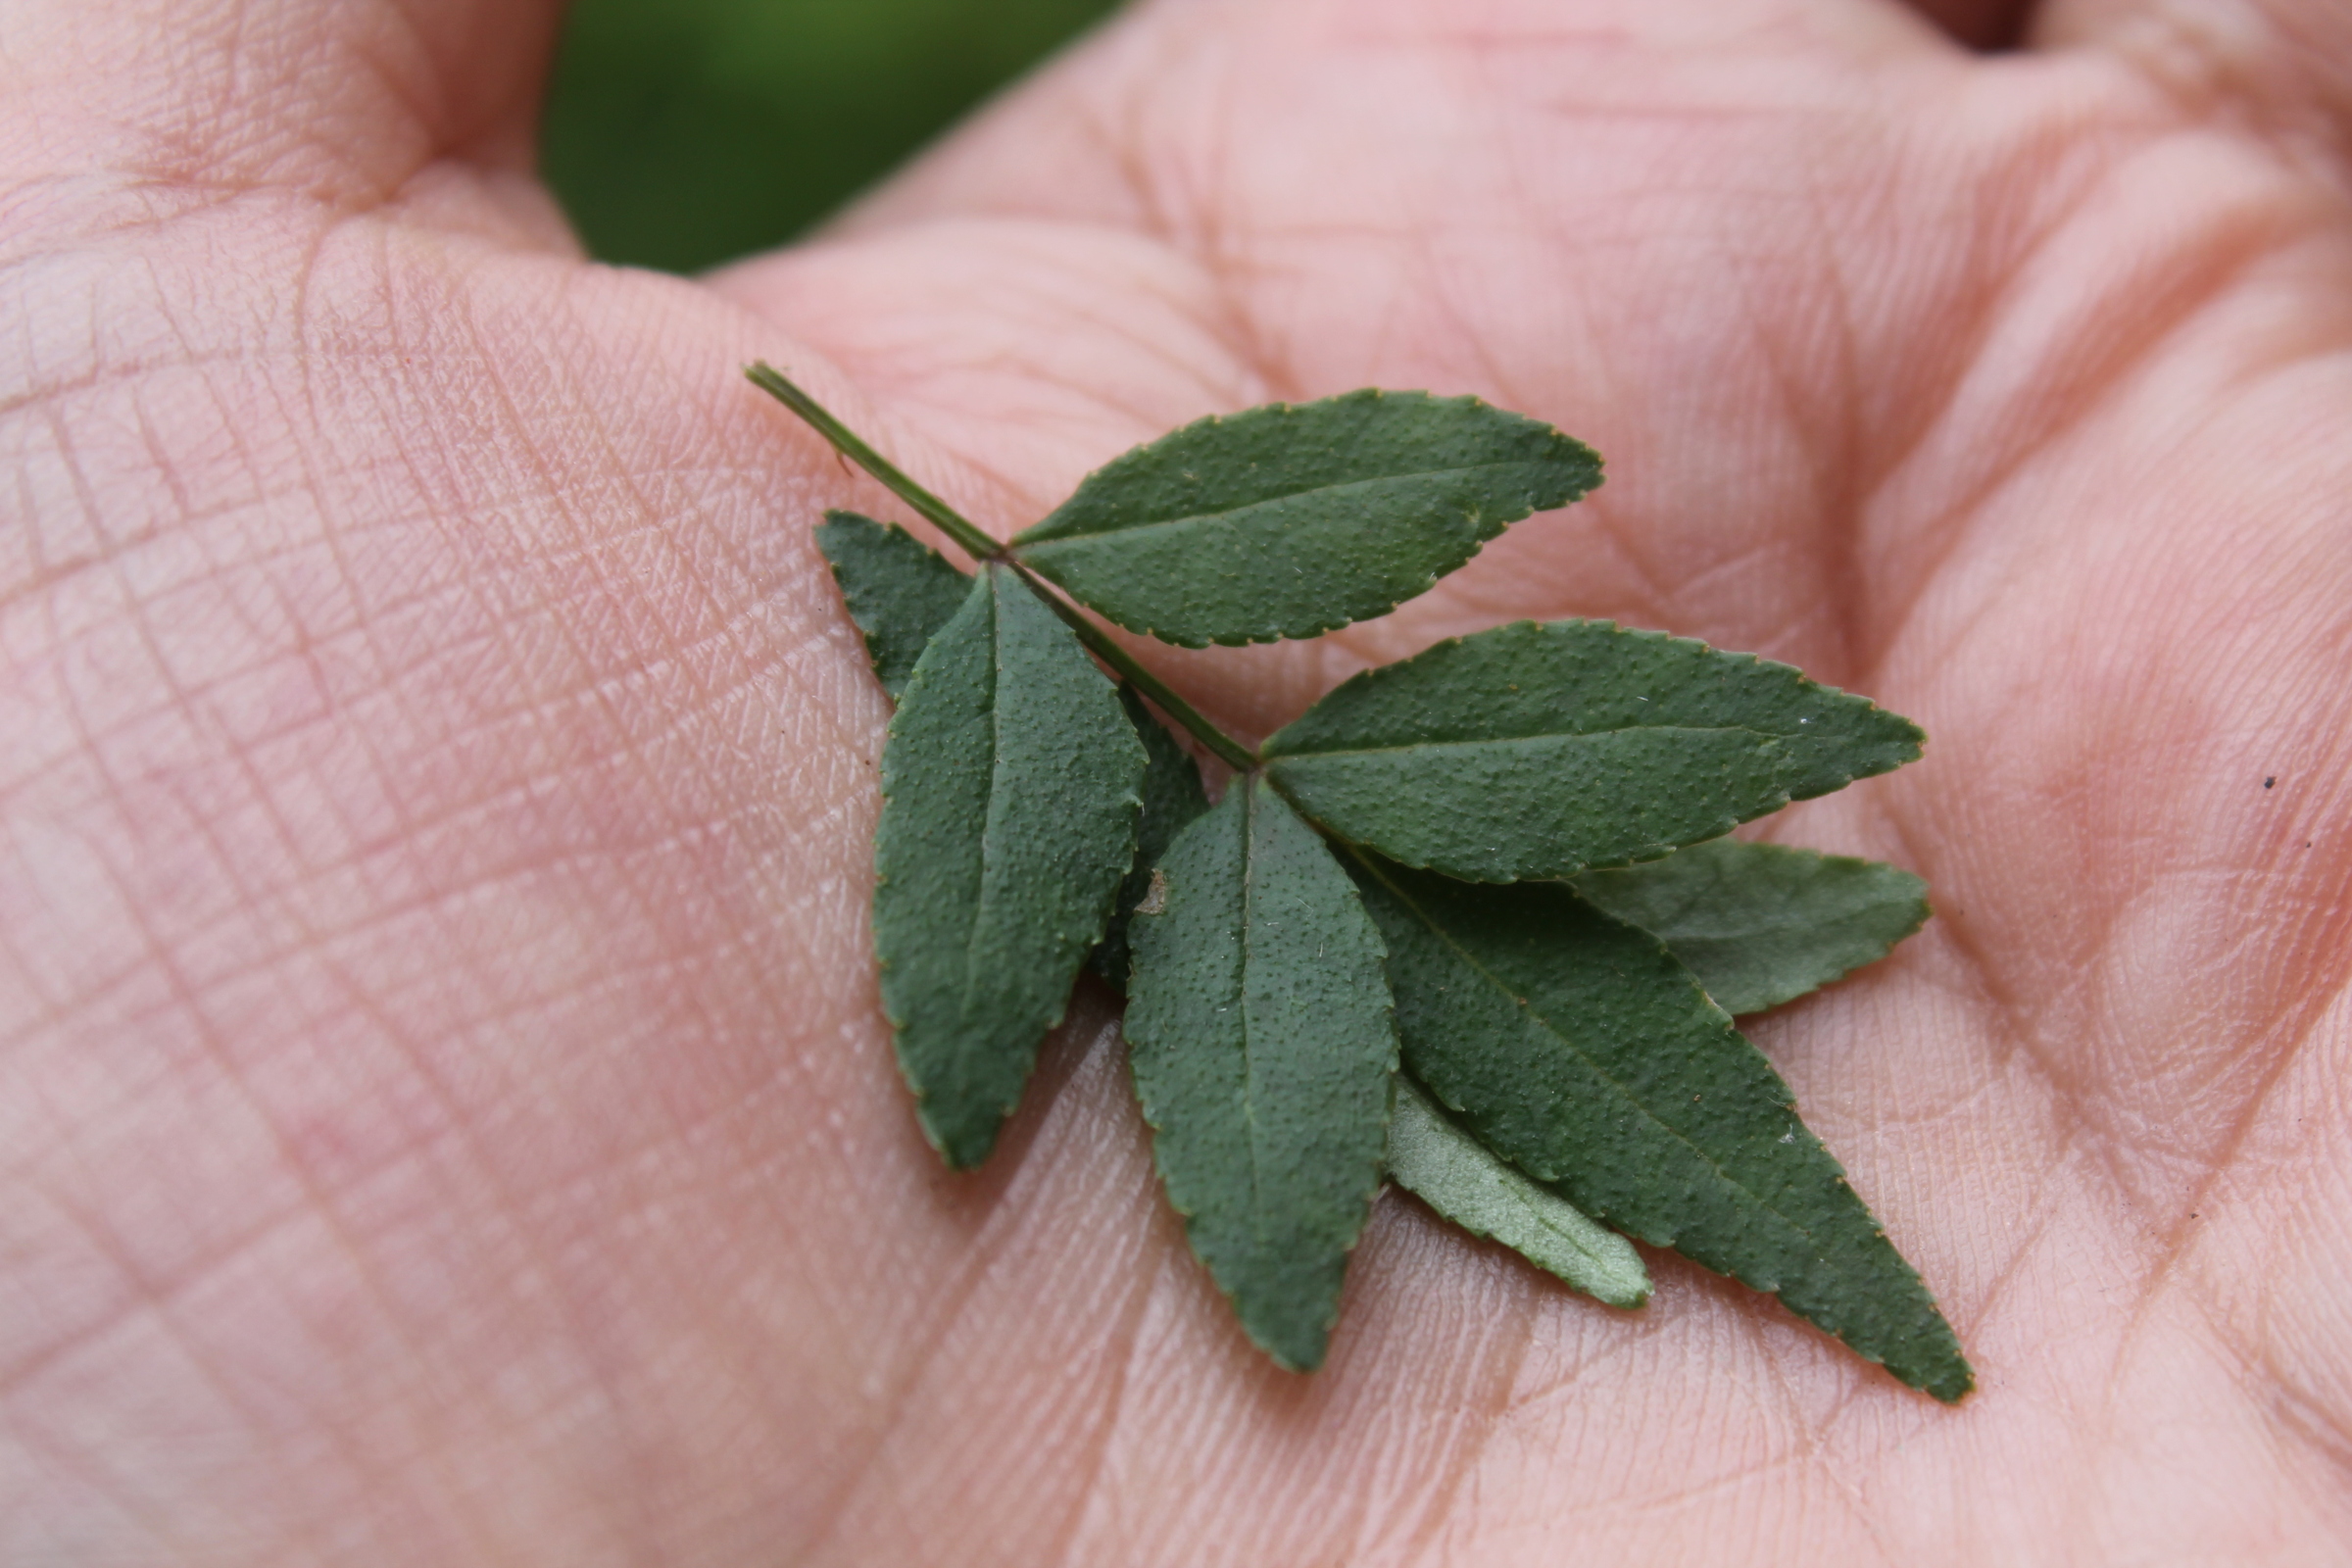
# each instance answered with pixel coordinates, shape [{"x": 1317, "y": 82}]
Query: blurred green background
[{"x": 682, "y": 133}]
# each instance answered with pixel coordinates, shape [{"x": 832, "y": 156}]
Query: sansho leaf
[
  {"x": 1455, "y": 1175},
  {"x": 1263, "y": 1049},
  {"x": 1545, "y": 749},
  {"x": 1576, "y": 1047},
  {"x": 1009, "y": 797},
  {"x": 1172, "y": 798},
  {"x": 1762, "y": 924},
  {"x": 900, "y": 591},
  {"x": 1289, "y": 521}
]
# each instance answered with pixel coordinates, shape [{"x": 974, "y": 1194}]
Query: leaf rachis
[{"x": 976, "y": 543}]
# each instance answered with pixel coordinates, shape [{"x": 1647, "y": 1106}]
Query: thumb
[{"x": 345, "y": 101}]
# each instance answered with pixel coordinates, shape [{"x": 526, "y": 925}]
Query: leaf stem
[
  {"x": 1105, "y": 647},
  {"x": 981, "y": 548},
  {"x": 974, "y": 543}
]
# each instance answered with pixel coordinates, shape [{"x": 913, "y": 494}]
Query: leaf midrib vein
[
  {"x": 1190, "y": 518},
  {"x": 1488, "y": 975},
  {"x": 983, "y": 915},
  {"x": 1250, "y": 1120},
  {"x": 1523, "y": 739}
]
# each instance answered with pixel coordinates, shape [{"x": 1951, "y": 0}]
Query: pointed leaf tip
[
  {"x": 1762, "y": 924},
  {"x": 1577, "y": 1048},
  {"x": 899, "y": 590}
]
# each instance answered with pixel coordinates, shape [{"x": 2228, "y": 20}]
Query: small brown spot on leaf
[{"x": 1156, "y": 897}]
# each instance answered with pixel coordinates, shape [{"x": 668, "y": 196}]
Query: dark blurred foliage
[{"x": 680, "y": 133}]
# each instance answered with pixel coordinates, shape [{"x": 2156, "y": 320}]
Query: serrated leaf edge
[
  {"x": 1771, "y": 1287},
  {"x": 1099, "y": 924},
  {"x": 1273, "y": 758},
  {"x": 1377, "y": 1166},
  {"x": 1927, "y": 913},
  {"x": 1488, "y": 527}
]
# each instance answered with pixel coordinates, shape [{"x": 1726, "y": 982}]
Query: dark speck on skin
[{"x": 2267, "y": 782}]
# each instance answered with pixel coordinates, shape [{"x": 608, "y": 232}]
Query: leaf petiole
[{"x": 968, "y": 538}]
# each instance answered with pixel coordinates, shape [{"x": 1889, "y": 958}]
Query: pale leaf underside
[
  {"x": 1762, "y": 924},
  {"x": 1462, "y": 1181}
]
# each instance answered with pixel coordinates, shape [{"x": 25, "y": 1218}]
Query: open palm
[{"x": 445, "y": 1115}]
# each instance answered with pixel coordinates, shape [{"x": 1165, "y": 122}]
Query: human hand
[{"x": 447, "y": 1112}]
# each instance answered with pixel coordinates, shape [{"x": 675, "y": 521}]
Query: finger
[
  {"x": 346, "y": 100},
  {"x": 2284, "y": 66},
  {"x": 1080, "y": 140}
]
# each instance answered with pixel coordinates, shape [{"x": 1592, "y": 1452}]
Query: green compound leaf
[
  {"x": 1286, "y": 521},
  {"x": 1453, "y": 1173},
  {"x": 1576, "y": 1047},
  {"x": 1172, "y": 798},
  {"x": 1262, "y": 1049},
  {"x": 1009, "y": 797},
  {"x": 1762, "y": 924},
  {"x": 1542, "y": 750},
  {"x": 899, "y": 590}
]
